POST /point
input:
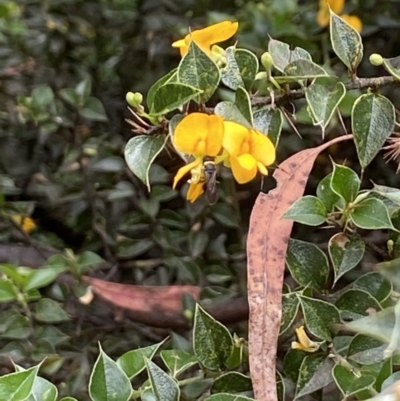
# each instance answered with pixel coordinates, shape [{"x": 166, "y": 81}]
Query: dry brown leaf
[
  {"x": 161, "y": 306},
  {"x": 267, "y": 244}
]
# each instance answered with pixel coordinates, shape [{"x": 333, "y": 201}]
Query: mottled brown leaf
[
  {"x": 161, "y": 306},
  {"x": 158, "y": 304},
  {"x": 266, "y": 252}
]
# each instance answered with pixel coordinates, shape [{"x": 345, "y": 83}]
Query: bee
[{"x": 210, "y": 173}]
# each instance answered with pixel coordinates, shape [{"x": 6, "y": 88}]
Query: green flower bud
[
  {"x": 267, "y": 61},
  {"x": 261, "y": 75},
  {"x": 376, "y": 59},
  {"x": 134, "y": 99},
  {"x": 188, "y": 314}
]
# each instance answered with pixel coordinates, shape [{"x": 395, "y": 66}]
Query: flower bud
[
  {"x": 261, "y": 75},
  {"x": 134, "y": 99},
  {"x": 376, "y": 59},
  {"x": 267, "y": 61}
]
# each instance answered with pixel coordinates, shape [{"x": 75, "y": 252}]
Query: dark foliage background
[{"x": 61, "y": 160}]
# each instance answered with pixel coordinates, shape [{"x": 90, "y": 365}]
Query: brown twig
[{"x": 358, "y": 83}]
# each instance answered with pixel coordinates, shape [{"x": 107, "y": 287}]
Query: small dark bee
[{"x": 210, "y": 173}]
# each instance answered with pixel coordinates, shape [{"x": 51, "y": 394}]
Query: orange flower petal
[
  {"x": 194, "y": 191},
  {"x": 323, "y": 15},
  {"x": 335, "y": 5},
  {"x": 242, "y": 175},
  {"x": 353, "y": 20},
  {"x": 186, "y": 169},
  {"x": 262, "y": 148},
  {"x": 247, "y": 161},
  {"x": 236, "y": 138},
  {"x": 199, "y": 134},
  {"x": 208, "y": 36}
]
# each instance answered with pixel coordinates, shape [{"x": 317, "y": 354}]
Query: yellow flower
[
  {"x": 198, "y": 135},
  {"x": 26, "y": 223},
  {"x": 304, "y": 344},
  {"x": 207, "y": 37},
  {"x": 247, "y": 151},
  {"x": 323, "y": 16}
]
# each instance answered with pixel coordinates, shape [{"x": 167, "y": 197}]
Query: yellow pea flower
[
  {"x": 323, "y": 15},
  {"x": 198, "y": 135},
  {"x": 207, "y": 37},
  {"x": 247, "y": 151},
  {"x": 26, "y": 223},
  {"x": 304, "y": 344}
]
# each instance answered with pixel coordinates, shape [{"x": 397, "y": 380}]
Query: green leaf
[
  {"x": 49, "y": 311},
  {"x": 308, "y": 265},
  {"x": 228, "y": 397},
  {"x": 326, "y": 194},
  {"x": 391, "y": 270},
  {"x": 42, "y": 277},
  {"x": 86, "y": 260},
  {"x": 231, "y": 382},
  {"x": 356, "y": 303},
  {"x": 43, "y": 390},
  {"x": 320, "y": 317},
  {"x": 304, "y": 69},
  {"x": 108, "y": 382},
  {"x": 290, "y": 307},
  {"x": 375, "y": 284},
  {"x": 390, "y": 196},
  {"x": 247, "y": 63},
  {"x": 366, "y": 350},
  {"x": 133, "y": 362},
  {"x": 378, "y": 325},
  {"x": 373, "y": 120},
  {"x": 164, "y": 387},
  {"x": 68, "y": 399},
  {"x": 314, "y": 374},
  {"x": 391, "y": 380},
  {"x": 224, "y": 214},
  {"x": 392, "y": 66},
  {"x": 17, "y": 327},
  {"x": 140, "y": 153},
  {"x": 7, "y": 291},
  {"x": 172, "y": 96},
  {"x": 242, "y": 102},
  {"x": 17, "y": 386},
  {"x": 346, "y": 42},
  {"x": 43, "y": 96},
  {"x": 170, "y": 77},
  {"x": 282, "y": 55},
  {"x": 70, "y": 96},
  {"x": 93, "y": 110},
  {"x": 371, "y": 214},
  {"x": 212, "y": 342},
  {"x": 350, "y": 383},
  {"x": 177, "y": 360},
  {"x": 230, "y": 112},
  {"x": 345, "y": 252},
  {"x": 307, "y": 210},
  {"x": 345, "y": 182},
  {"x": 241, "y": 68},
  {"x": 269, "y": 121},
  {"x": 280, "y": 387},
  {"x": 323, "y": 102},
  {"x": 51, "y": 334},
  {"x": 197, "y": 70},
  {"x": 84, "y": 88},
  {"x": 292, "y": 362}
]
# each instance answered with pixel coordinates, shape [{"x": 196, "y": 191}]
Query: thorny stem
[{"x": 358, "y": 83}]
